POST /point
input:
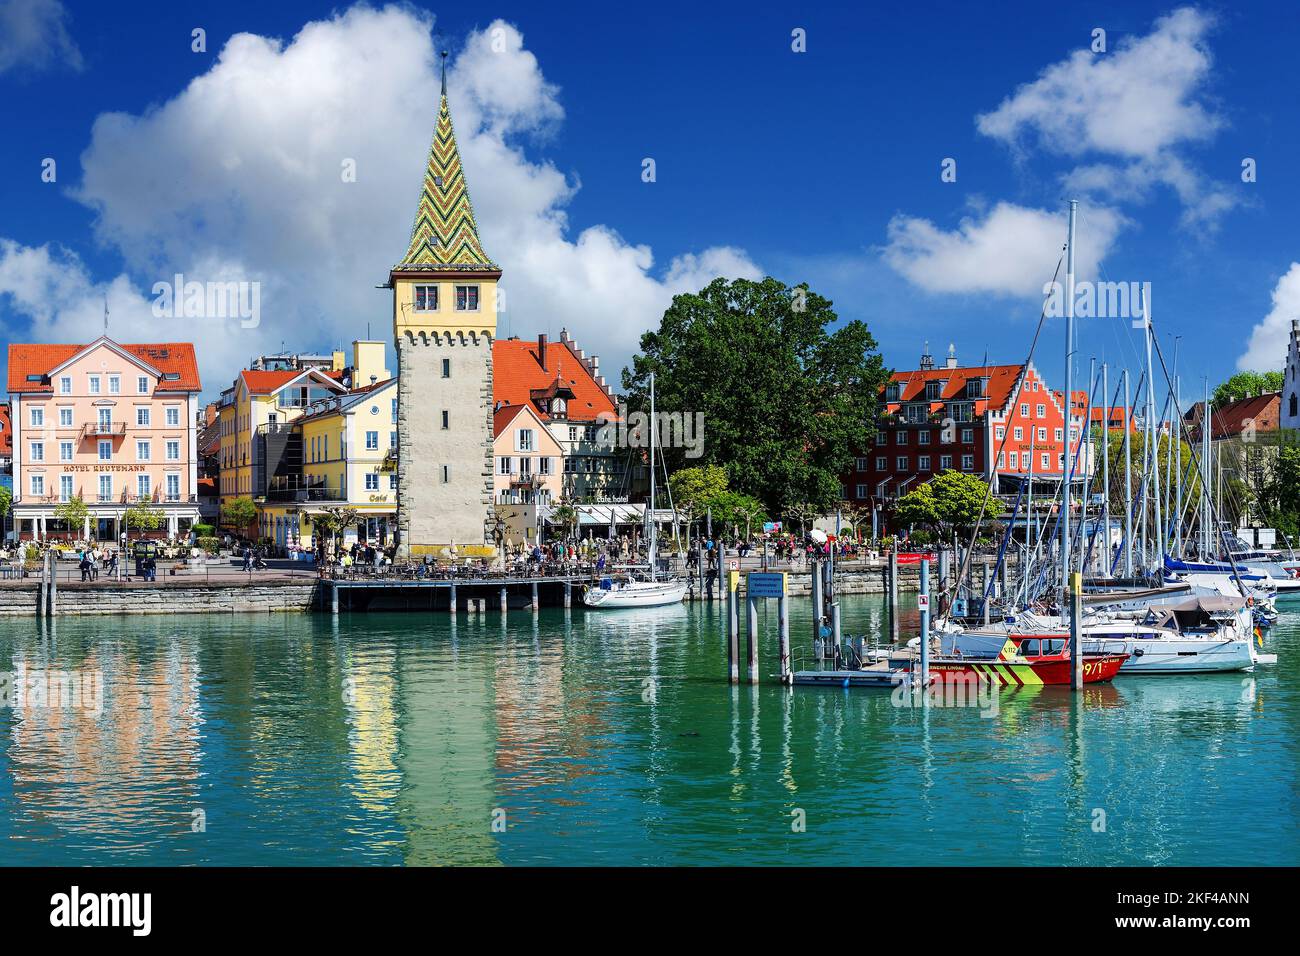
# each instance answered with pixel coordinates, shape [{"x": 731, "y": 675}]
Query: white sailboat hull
[
  {"x": 635, "y": 594},
  {"x": 1147, "y": 655}
]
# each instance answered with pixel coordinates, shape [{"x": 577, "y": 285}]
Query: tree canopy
[
  {"x": 788, "y": 394},
  {"x": 950, "y": 501},
  {"x": 1245, "y": 385}
]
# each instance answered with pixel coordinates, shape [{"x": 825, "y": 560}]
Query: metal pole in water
[
  {"x": 733, "y": 629},
  {"x": 503, "y": 599},
  {"x": 1076, "y": 612},
  {"x": 925, "y": 622},
  {"x": 451, "y": 608},
  {"x": 815, "y": 570},
  {"x": 782, "y": 612},
  {"x": 751, "y": 636},
  {"x": 893, "y": 596},
  {"x": 535, "y": 602}
]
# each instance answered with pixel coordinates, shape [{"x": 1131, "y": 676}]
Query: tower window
[
  {"x": 446, "y": 419},
  {"x": 446, "y": 368},
  {"x": 426, "y": 298},
  {"x": 446, "y": 473},
  {"x": 466, "y": 298}
]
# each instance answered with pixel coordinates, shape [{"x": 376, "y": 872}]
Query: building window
[
  {"x": 860, "y": 492},
  {"x": 923, "y": 437},
  {"x": 967, "y": 435},
  {"x": 1015, "y": 460},
  {"x": 392, "y": 482},
  {"x": 544, "y": 466},
  {"x": 65, "y": 385},
  {"x": 902, "y": 438},
  {"x": 1060, "y": 461},
  {"x": 426, "y": 298},
  {"x": 902, "y": 463},
  {"x": 65, "y": 417},
  {"x": 94, "y": 384},
  {"x": 372, "y": 441},
  {"x": 142, "y": 451},
  {"x": 446, "y": 368},
  {"x": 115, "y": 385},
  {"x": 173, "y": 417},
  {"x": 1040, "y": 411},
  {"x": 967, "y": 462},
  {"x": 173, "y": 487},
  {"x": 1024, "y": 411},
  {"x": 173, "y": 451},
  {"x": 65, "y": 451},
  {"x": 882, "y": 463},
  {"x": 372, "y": 481},
  {"x": 1001, "y": 432},
  {"x": 65, "y": 487},
  {"x": 38, "y": 485},
  {"x": 446, "y": 419},
  {"x": 1042, "y": 434},
  {"x": 525, "y": 467},
  {"x": 860, "y": 464},
  {"x": 394, "y": 411},
  {"x": 1059, "y": 433},
  {"x": 142, "y": 385},
  {"x": 38, "y": 451},
  {"x": 37, "y": 416},
  {"x": 923, "y": 463},
  {"x": 446, "y": 474},
  {"x": 105, "y": 451},
  {"x": 105, "y": 487},
  {"x": 505, "y": 465},
  {"x": 466, "y": 298},
  {"x": 1019, "y": 433},
  {"x": 143, "y": 489},
  {"x": 392, "y": 441},
  {"x": 525, "y": 442},
  {"x": 142, "y": 418},
  {"x": 883, "y": 437}
]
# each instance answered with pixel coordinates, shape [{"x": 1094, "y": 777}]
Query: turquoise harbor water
[{"x": 611, "y": 738}]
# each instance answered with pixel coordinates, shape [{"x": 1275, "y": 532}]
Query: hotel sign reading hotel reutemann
[{"x": 105, "y": 466}]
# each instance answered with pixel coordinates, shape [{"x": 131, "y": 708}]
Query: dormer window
[
  {"x": 934, "y": 390},
  {"x": 893, "y": 391},
  {"x": 975, "y": 388},
  {"x": 559, "y": 408}
]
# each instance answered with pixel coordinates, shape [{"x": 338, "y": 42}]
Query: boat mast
[
  {"x": 1178, "y": 471},
  {"x": 1068, "y": 406},
  {"x": 1154, "y": 430},
  {"x": 1128, "y": 482},
  {"x": 1205, "y": 473},
  {"x": 650, "y": 512},
  {"x": 1030, "y": 536},
  {"x": 1105, "y": 468}
]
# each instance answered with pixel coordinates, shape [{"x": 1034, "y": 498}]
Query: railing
[
  {"x": 306, "y": 494},
  {"x": 103, "y": 429}
]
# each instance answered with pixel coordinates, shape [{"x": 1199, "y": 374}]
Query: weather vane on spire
[{"x": 444, "y": 72}]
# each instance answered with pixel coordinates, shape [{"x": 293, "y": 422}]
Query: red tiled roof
[
  {"x": 6, "y": 432},
  {"x": 40, "y": 359},
  {"x": 1002, "y": 382},
  {"x": 502, "y": 418},
  {"x": 517, "y": 372},
  {"x": 1261, "y": 412}
]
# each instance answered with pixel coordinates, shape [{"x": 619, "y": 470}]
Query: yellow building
[
  {"x": 260, "y": 454},
  {"x": 349, "y": 446}
]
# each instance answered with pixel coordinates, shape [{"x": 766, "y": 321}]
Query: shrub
[
  {"x": 209, "y": 544},
  {"x": 204, "y": 530}
]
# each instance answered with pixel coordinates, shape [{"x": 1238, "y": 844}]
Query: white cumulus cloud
[
  {"x": 34, "y": 36},
  {"x": 1011, "y": 250},
  {"x": 1269, "y": 339},
  {"x": 240, "y": 176},
  {"x": 1134, "y": 108}
]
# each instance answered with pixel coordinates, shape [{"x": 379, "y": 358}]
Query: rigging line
[{"x": 1011, "y": 403}]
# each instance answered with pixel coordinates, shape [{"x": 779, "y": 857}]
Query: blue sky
[{"x": 822, "y": 166}]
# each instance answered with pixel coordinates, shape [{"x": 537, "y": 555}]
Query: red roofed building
[
  {"x": 6, "y": 440},
  {"x": 111, "y": 423},
  {"x": 564, "y": 387},
  {"x": 955, "y": 418}
]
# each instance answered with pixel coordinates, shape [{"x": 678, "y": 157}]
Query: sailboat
[{"x": 650, "y": 590}]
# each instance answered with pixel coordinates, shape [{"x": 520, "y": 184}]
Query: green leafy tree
[
  {"x": 565, "y": 516},
  {"x": 328, "y": 525},
  {"x": 143, "y": 516},
  {"x": 239, "y": 513},
  {"x": 738, "y": 511},
  {"x": 782, "y": 391},
  {"x": 948, "y": 502},
  {"x": 73, "y": 513},
  {"x": 6, "y": 501},
  {"x": 1244, "y": 385}
]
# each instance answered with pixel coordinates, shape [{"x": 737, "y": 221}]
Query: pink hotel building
[{"x": 114, "y": 424}]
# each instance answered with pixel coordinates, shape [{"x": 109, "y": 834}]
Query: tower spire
[{"x": 445, "y": 234}]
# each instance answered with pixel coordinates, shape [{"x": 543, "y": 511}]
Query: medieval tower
[{"x": 444, "y": 320}]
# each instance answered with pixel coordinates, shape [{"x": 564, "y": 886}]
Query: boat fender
[{"x": 1138, "y": 651}]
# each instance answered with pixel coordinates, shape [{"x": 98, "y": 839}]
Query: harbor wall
[{"x": 20, "y": 600}]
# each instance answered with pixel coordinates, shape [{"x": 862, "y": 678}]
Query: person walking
[
  {"x": 85, "y": 566},
  {"x": 248, "y": 558}
]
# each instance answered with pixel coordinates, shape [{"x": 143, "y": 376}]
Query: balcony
[{"x": 103, "y": 429}]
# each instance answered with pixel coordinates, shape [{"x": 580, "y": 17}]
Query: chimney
[
  {"x": 952, "y": 356},
  {"x": 541, "y": 351}
]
